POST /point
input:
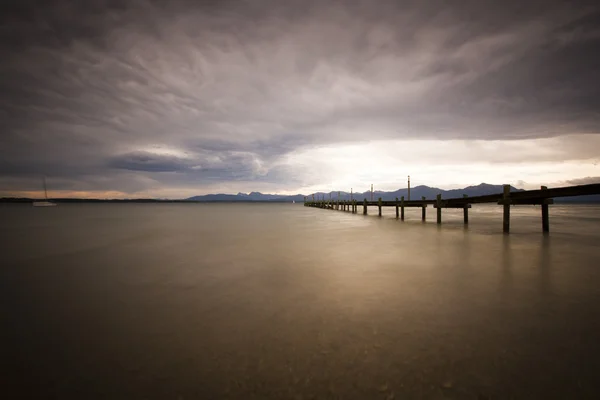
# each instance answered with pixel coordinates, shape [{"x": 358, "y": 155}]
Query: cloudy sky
[{"x": 177, "y": 98}]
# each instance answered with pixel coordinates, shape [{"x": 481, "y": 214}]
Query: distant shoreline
[
  {"x": 27, "y": 200},
  {"x": 19, "y": 200}
]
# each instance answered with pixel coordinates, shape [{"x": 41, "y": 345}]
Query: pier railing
[{"x": 543, "y": 197}]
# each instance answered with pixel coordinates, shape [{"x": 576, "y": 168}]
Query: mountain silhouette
[{"x": 415, "y": 194}]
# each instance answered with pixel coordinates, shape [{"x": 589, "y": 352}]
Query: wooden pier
[{"x": 542, "y": 197}]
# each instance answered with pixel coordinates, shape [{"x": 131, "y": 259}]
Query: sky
[{"x": 170, "y": 99}]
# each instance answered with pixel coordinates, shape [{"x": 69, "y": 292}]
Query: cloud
[
  {"x": 584, "y": 181},
  {"x": 145, "y": 161},
  {"x": 92, "y": 90}
]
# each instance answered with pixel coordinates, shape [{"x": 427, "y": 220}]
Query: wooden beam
[
  {"x": 402, "y": 208},
  {"x": 506, "y": 214},
  {"x": 545, "y": 215},
  {"x": 439, "y": 208},
  {"x": 466, "y": 212}
]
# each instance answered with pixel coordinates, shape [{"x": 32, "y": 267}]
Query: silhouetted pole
[
  {"x": 545, "y": 214},
  {"x": 506, "y": 203},
  {"x": 423, "y": 209},
  {"x": 409, "y": 188},
  {"x": 365, "y": 207},
  {"x": 379, "y": 205},
  {"x": 371, "y": 192},
  {"x": 397, "y": 211},
  {"x": 439, "y": 208},
  {"x": 402, "y": 208},
  {"x": 466, "y": 212}
]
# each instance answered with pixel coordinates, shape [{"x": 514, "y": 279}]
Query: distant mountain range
[{"x": 415, "y": 193}]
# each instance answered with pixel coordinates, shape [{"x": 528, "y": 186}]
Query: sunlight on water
[{"x": 284, "y": 301}]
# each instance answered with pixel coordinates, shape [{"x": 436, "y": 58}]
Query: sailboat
[{"x": 44, "y": 203}]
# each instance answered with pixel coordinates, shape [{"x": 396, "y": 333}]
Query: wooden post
[
  {"x": 379, "y": 205},
  {"x": 365, "y": 207},
  {"x": 354, "y": 207},
  {"x": 506, "y": 203},
  {"x": 402, "y": 208},
  {"x": 466, "y": 211},
  {"x": 423, "y": 210},
  {"x": 439, "y": 208},
  {"x": 397, "y": 210},
  {"x": 545, "y": 214}
]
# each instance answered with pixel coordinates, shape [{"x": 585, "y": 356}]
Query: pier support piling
[
  {"x": 545, "y": 214},
  {"x": 397, "y": 210},
  {"x": 439, "y": 208},
  {"x": 379, "y": 206},
  {"x": 423, "y": 210},
  {"x": 466, "y": 212},
  {"x": 506, "y": 204},
  {"x": 402, "y": 208},
  {"x": 365, "y": 207}
]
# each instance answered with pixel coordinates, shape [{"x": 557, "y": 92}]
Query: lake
[{"x": 281, "y": 301}]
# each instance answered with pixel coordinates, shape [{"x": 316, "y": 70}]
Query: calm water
[{"x": 285, "y": 302}]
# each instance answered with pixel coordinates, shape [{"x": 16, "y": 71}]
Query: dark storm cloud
[
  {"x": 224, "y": 165},
  {"x": 223, "y": 89}
]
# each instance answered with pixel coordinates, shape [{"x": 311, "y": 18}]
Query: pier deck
[{"x": 542, "y": 196}]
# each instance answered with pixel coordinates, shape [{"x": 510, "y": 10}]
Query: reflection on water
[{"x": 282, "y": 301}]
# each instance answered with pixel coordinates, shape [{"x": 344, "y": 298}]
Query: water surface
[{"x": 277, "y": 301}]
